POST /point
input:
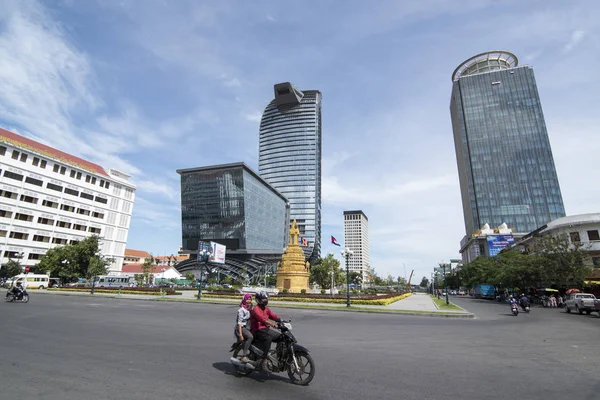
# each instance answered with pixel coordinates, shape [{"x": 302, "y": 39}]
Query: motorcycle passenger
[
  {"x": 261, "y": 326},
  {"x": 242, "y": 324},
  {"x": 524, "y": 301},
  {"x": 18, "y": 289}
]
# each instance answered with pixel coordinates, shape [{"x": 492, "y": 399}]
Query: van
[{"x": 31, "y": 281}]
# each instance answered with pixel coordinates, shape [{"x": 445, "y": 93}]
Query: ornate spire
[{"x": 294, "y": 234}]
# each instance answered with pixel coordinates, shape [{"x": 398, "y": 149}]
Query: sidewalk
[{"x": 417, "y": 304}]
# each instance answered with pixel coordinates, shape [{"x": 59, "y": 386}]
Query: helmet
[{"x": 262, "y": 298}]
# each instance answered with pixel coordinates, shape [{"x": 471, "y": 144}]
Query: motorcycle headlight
[{"x": 288, "y": 325}]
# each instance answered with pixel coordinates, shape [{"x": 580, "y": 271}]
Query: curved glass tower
[
  {"x": 505, "y": 164},
  {"x": 289, "y": 158}
]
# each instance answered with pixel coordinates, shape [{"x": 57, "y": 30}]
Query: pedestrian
[
  {"x": 242, "y": 331},
  {"x": 553, "y": 301}
]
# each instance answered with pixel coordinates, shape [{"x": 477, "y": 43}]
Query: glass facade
[
  {"x": 231, "y": 205},
  {"x": 505, "y": 162},
  {"x": 290, "y": 157}
]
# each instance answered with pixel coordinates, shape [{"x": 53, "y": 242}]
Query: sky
[{"x": 148, "y": 87}]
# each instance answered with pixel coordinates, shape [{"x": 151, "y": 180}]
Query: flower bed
[
  {"x": 147, "y": 291},
  {"x": 369, "y": 300}
]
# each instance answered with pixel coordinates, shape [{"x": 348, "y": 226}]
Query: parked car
[{"x": 580, "y": 302}]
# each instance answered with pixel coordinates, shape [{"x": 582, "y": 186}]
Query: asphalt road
[{"x": 59, "y": 347}]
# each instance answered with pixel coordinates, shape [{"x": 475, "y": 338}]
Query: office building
[
  {"x": 290, "y": 158},
  {"x": 50, "y": 198},
  {"x": 232, "y": 205},
  {"x": 356, "y": 238},
  {"x": 505, "y": 164}
]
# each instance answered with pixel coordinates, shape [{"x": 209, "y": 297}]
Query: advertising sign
[
  {"x": 218, "y": 253},
  {"x": 497, "y": 242}
]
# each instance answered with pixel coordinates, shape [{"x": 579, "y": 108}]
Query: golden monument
[{"x": 293, "y": 270}]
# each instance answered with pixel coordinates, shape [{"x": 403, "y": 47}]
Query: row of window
[
  {"x": 49, "y": 221},
  {"x": 36, "y": 238},
  {"x": 51, "y": 204},
  {"x": 592, "y": 235},
  {"x": 59, "y": 169}
]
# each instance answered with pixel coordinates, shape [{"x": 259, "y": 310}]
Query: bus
[
  {"x": 112, "y": 281},
  {"x": 35, "y": 281}
]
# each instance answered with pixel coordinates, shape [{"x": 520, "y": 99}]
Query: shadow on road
[{"x": 228, "y": 369}]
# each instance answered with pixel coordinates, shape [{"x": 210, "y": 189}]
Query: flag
[
  {"x": 334, "y": 241},
  {"x": 304, "y": 242}
]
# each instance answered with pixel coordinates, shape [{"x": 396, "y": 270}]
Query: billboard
[
  {"x": 497, "y": 242},
  {"x": 218, "y": 253}
]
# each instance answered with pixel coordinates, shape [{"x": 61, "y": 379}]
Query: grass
[{"x": 441, "y": 304}]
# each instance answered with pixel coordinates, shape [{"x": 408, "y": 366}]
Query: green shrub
[
  {"x": 322, "y": 291},
  {"x": 285, "y": 290},
  {"x": 303, "y": 291}
]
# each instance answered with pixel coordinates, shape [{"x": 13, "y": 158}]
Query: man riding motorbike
[
  {"x": 524, "y": 302},
  {"x": 262, "y": 326},
  {"x": 18, "y": 289}
]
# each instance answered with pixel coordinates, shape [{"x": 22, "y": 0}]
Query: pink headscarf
[{"x": 243, "y": 303}]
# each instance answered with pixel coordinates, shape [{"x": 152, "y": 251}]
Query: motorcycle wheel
[
  {"x": 25, "y": 298},
  {"x": 242, "y": 371},
  {"x": 9, "y": 297},
  {"x": 302, "y": 376}
]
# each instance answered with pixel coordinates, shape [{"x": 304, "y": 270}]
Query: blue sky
[{"x": 148, "y": 87}]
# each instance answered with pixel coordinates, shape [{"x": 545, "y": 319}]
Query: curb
[{"x": 288, "y": 306}]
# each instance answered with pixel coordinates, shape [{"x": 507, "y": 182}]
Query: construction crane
[{"x": 409, "y": 279}]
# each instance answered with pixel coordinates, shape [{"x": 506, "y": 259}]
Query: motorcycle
[
  {"x": 22, "y": 296},
  {"x": 525, "y": 308},
  {"x": 288, "y": 356},
  {"x": 515, "y": 309}
]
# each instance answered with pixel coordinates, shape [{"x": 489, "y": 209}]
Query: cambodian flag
[{"x": 334, "y": 241}]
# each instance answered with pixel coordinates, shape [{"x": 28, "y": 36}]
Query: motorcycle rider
[
  {"x": 261, "y": 326},
  {"x": 18, "y": 289},
  {"x": 524, "y": 301}
]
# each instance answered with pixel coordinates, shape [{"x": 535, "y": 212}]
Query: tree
[
  {"x": 97, "y": 266},
  {"x": 228, "y": 280},
  {"x": 12, "y": 268},
  {"x": 320, "y": 273},
  {"x": 148, "y": 268},
  {"x": 190, "y": 276},
  {"x": 355, "y": 278},
  {"x": 424, "y": 282}
]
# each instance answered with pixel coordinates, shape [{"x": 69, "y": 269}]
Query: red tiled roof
[
  {"x": 23, "y": 142},
  {"x": 137, "y": 253},
  {"x": 177, "y": 258}
]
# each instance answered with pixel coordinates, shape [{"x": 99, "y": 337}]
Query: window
[
  {"x": 71, "y": 192},
  {"x": 78, "y": 175},
  {"x": 128, "y": 193},
  {"x": 575, "y": 237},
  {"x": 127, "y": 207},
  {"x": 7, "y": 194},
  {"x": 43, "y": 164},
  {"x": 3, "y": 234},
  {"x": 23, "y": 217},
  {"x": 40, "y": 238},
  {"x": 12, "y": 175},
  {"x": 83, "y": 211},
  {"x": 107, "y": 185},
  {"x": 73, "y": 241},
  {"x": 72, "y": 173},
  {"x": 2, "y": 150},
  {"x": 63, "y": 224},
  {"x": 65, "y": 207},
  {"x": 52, "y": 186},
  {"x": 93, "y": 181},
  {"x": 15, "y": 155},
  {"x": 56, "y": 167},
  {"x": 101, "y": 200},
  {"x": 45, "y": 221},
  {"x": 101, "y": 183},
  {"x": 593, "y": 235},
  {"x": 23, "y": 157},
  {"x": 86, "y": 196},
  {"x": 97, "y": 215},
  {"x": 29, "y": 199},
  {"x": 63, "y": 170},
  {"x": 5, "y": 214},
  {"x": 33, "y": 181},
  {"x": 87, "y": 178},
  {"x": 34, "y": 256},
  {"x": 51, "y": 204},
  {"x": 59, "y": 241},
  {"x": 18, "y": 235},
  {"x": 78, "y": 227},
  {"x": 35, "y": 162},
  {"x": 94, "y": 230}
]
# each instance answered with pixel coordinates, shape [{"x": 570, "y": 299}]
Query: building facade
[
  {"x": 50, "y": 198},
  {"x": 356, "y": 238},
  {"x": 232, "y": 205},
  {"x": 505, "y": 164},
  {"x": 132, "y": 256},
  {"x": 289, "y": 157}
]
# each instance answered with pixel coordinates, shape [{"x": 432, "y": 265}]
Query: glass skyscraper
[
  {"x": 289, "y": 157},
  {"x": 505, "y": 163}
]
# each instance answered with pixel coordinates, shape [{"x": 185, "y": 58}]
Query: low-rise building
[
  {"x": 136, "y": 256},
  {"x": 487, "y": 242}
]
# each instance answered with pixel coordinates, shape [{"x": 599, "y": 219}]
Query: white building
[
  {"x": 356, "y": 238},
  {"x": 50, "y": 198}
]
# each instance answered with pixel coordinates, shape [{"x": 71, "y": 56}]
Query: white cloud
[
  {"x": 576, "y": 38},
  {"x": 270, "y": 18},
  {"x": 231, "y": 82},
  {"x": 162, "y": 188},
  {"x": 253, "y": 116}
]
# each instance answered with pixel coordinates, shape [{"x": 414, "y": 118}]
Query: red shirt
[{"x": 259, "y": 317}]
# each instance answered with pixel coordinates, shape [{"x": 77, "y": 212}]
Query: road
[{"x": 59, "y": 347}]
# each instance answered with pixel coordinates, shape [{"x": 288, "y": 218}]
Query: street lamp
[
  {"x": 347, "y": 253},
  {"x": 203, "y": 255},
  {"x": 443, "y": 264}
]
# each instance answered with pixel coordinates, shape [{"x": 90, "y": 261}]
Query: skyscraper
[
  {"x": 356, "y": 238},
  {"x": 505, "y": 163},
  {"x": 289, "y": 157}
]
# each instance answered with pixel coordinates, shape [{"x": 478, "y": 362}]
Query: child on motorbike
[{"x": 241, "y": 331}]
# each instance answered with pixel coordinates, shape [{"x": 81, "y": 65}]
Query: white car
[{"x": 580, "y": 302}]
